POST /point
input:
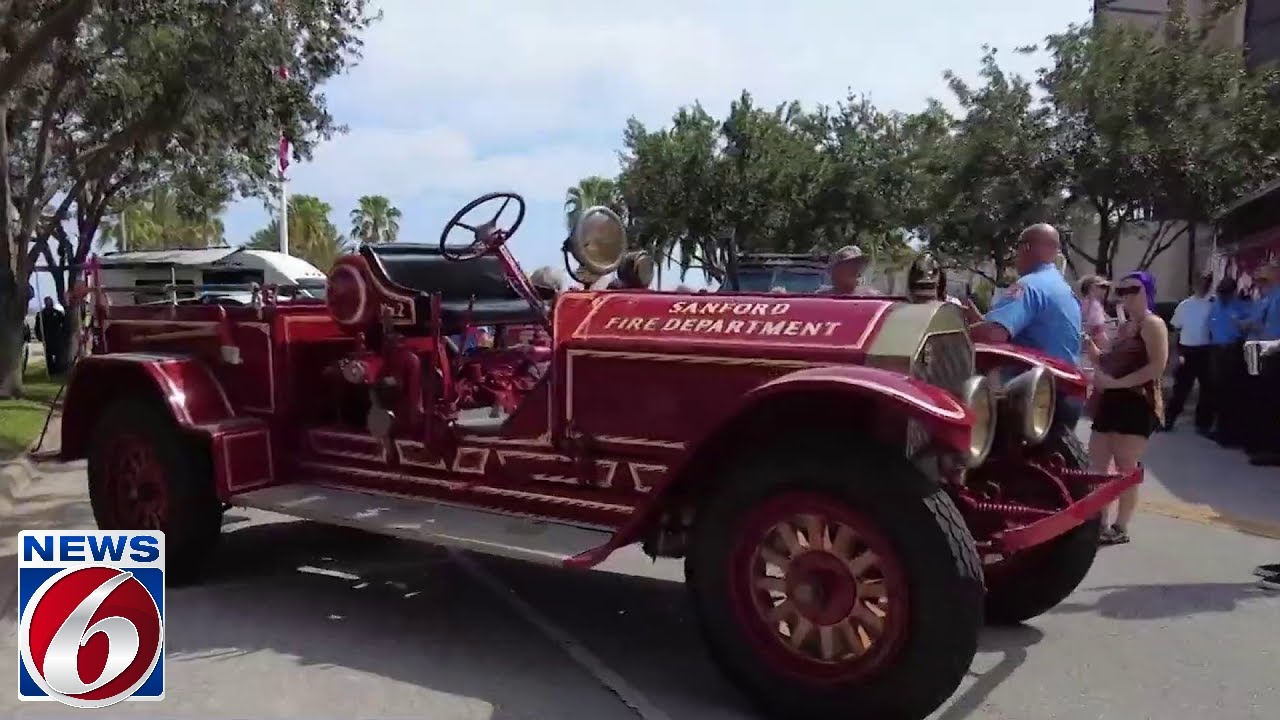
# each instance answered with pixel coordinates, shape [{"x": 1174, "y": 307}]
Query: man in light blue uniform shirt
[
  {"x": 1264, "y": 321},
  {"x": 1226, "y": 336},
  {"x": 1039, "y": 311},
  {"x": 1263, "y": 439}
]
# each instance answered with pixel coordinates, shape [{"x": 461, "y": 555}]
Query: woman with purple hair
[{"x": 1127, "y": 405}]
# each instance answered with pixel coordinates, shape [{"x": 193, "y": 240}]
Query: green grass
[{"x": 22, "y": 420}]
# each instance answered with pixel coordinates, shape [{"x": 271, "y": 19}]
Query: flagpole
[
  {"x": 283, "y": 151},
  {"x": 284, "y": 213}
]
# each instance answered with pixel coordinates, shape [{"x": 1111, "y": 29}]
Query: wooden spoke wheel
[
  {"x": 146, "y": 474},
  {"x": 135, "y": 484},
  {"x": 819, "y": 589},
  {"x": 833, "y": 580}
]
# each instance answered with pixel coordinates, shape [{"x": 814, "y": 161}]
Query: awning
[
  {"x": 166, "y": 258},
  {"x": 1258, "y": 194}
]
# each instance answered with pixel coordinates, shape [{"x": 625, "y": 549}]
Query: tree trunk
[
  {"x": 1191, "y": 255},
  {"x": 731, "y": 260},
  {"x": 13, "y": 311},
  {"x": 1104, "y": 251}
]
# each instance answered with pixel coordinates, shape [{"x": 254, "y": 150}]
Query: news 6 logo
[{"x": 91, "y": 609}]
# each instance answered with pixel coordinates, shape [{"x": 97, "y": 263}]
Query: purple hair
[{"x": 1148, "y": 286}]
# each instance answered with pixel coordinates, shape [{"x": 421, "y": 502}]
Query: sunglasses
[{"x": 1127, "y": 290}]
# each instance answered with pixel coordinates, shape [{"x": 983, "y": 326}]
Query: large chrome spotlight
[
  {"x": 1030, "y": 401},
  {"x": 977, "y": 394}
]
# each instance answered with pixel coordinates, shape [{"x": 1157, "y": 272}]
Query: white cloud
[
  {"x": 442, "y": 160},
  {"x": 526, "y": 67},
  {"x": 455, "y": 99}
]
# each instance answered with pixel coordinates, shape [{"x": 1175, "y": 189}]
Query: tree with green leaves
[
  {"x": 776, "y": 179},
  {"x": 375, "y": 220},
  {"x": 669, "y": 187},
  {"x": 138, "y": 95},
  {"x": 30, "y": 30},
  {"x": 312, "y": 235},
  {"x": 993, "y": 176},
  {"x": 1161, "y": 127}
]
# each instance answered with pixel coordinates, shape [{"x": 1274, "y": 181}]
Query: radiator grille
[{"x": 945, "y": 360}]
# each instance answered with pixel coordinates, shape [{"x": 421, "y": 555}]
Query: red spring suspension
[{"x": 1007, "y": 509}]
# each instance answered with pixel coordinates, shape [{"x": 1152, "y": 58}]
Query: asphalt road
[{"x": 308, "y": 621}]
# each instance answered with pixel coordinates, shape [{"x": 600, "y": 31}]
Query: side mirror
[{"x": 598, "y": 241}]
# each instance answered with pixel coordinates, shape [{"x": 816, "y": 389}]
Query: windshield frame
[{"x": 795, "y": 280}]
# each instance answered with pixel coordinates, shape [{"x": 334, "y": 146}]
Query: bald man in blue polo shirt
[{"x": 1039, "y": 311}]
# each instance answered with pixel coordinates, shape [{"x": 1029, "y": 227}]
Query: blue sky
[{"x": 453, "y": 99}]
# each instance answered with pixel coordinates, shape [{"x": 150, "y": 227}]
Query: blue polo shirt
[
  {"x": 1224, "y": 319},
  {"x": 1266, "y": 316},
  {"x": 1041, "y": 312}
]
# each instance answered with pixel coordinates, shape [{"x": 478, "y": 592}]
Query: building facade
[
  {"x": 1253, "y": 26},
  {"x": 1249, "y": 230}
]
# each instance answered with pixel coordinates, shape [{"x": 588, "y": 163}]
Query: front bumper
[{"x": 1093, "y": 492}]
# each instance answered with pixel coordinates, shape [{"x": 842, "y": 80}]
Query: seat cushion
[
  {"x": 475, "y": 290},
  {"x": 424, "y": 269},
  {"x": 455, "y": 314}
]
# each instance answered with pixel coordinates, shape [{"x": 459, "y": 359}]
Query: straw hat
[{"x": 1088, "y": 282}]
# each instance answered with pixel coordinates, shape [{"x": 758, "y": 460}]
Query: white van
[{"x": 217, "y": 275}]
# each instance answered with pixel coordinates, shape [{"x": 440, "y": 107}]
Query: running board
[{"x": 426, "y": 521}]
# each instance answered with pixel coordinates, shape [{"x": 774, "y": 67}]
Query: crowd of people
[
  {"x": 1234, "y": 408},
  {"x": 1127, "y": 358}
]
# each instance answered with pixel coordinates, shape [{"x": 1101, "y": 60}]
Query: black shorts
[{"x": 1124, "y": 412}]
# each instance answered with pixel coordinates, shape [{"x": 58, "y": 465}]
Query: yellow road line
[{"x": 1206, "y": 515}]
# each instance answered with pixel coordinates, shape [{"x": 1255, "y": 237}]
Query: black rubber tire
[
  {"x": 194, "y": 522},
  {"x": 921, "y": 522},
  {"x": 1047, "y": 575}
]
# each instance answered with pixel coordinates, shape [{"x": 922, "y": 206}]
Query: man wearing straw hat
[{"x": 847, "y": 266}]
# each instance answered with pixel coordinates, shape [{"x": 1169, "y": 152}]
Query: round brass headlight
[
  {"x": 1032, "y": 400},
  {"x": 980, "y": 399}
]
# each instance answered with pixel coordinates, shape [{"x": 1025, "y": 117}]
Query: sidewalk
[{"x": 1190, "y": 477}]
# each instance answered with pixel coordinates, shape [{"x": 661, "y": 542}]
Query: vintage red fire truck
[{"x": 851, "y": 485}]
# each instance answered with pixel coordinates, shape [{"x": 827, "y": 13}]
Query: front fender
[
  {"x": 948, "y": 421},
  {"x": 945, "y": 417},
  {"x": 989, "y": 356},
  {"x": 185, "y": 385},
  {"x": 240, "y": 448}
]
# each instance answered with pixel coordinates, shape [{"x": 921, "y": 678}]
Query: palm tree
[
  {"x": 156, "y": 221},
  {"x": 375, "y": 220},
  {"x": 312, "y": 236},
  {"x": 589, "y": 192}
]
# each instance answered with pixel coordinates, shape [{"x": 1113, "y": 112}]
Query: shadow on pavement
[
  {"x": 643, "y": 628},
  {"x": 44, "y": 511},
  {"x": 407, "y": 612},
  {"x": 1152, "y": 602},
  {"x": 1011, "y": 644},
  {"x": 1196, "y": 470}
]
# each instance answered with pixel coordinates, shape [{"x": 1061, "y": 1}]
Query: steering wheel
[{"x": 486, "y": 237}]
